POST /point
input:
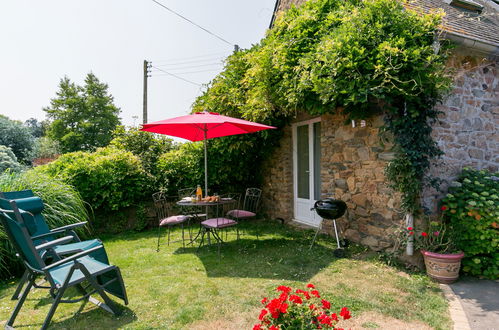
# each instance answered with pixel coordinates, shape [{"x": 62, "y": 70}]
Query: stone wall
[
  {"x": 468, "y": 132},
  {"x": 352, "y": 169},
  {"x": 277, "y": 197},
  {"x": 353, "y": 160}
]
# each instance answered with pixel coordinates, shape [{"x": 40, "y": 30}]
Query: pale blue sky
[{"x": 42, "y": 41}]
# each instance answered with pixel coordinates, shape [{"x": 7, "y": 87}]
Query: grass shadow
[
  {"x": 271, "y": 258},
  {"x": 86, "y": 319}
]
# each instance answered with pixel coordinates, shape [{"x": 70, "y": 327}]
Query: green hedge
[
  {"x": 472, "y": 207},
  {"x": 182, "y": 168},
  {"x": 63, "y": 206},
  {"x": 233, "y": 163},
  {"x": 147, "y": 146},
  {"x": 108, "y": 179}
]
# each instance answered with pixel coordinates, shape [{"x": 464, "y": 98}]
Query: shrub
[
  {"x": 233, "y": 163},
  {"x": 8, "y": 161},
  {"x": 47, "y": 148},
  {"x": 17, "y": 137},
  {"x": 182, "y": 168},
  {"x": 472, "y": 208},
  {"x": 147, "y": 146},
  {"x": 300, "y": 309},
  {"x": 63, "y": 206},
  {"x": 107, "y": 179}
]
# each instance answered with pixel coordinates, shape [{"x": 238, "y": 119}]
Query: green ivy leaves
[{"x": 363, "y": 58}]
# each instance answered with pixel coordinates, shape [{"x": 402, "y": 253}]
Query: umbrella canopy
[{"x": 203, "y": 126}]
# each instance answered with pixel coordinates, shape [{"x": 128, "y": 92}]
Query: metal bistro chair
[
  {"x": 40, "y": 233},
  {"x": 250, "y": 207},
  {"x": 213, "y": 226},
  {"x": 164, "y": 212},
  {"x": 80, "y": 270}
]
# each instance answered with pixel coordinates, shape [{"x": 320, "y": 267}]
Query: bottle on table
[{"x": 199, "y": 193}]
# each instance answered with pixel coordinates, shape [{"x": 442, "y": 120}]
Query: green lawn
[{"x": 185, "y": 289}]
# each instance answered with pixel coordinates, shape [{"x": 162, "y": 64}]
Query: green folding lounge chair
[
  {"x": 79, "y": 270},
  {"x": 40, "y": 232}
]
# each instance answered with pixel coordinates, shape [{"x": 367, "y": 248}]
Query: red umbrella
[{"x": 203, "y": 126}]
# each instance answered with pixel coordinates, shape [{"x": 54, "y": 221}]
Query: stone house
[{"x": 321, "y": 156}]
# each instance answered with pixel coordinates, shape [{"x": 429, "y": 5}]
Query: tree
[
  {"x": 82, "y": 117},
  {"x": 17, "y": 137},
  {"x": 36, "y": 127}
]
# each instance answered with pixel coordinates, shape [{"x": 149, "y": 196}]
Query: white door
[{"x": 306, "y": 170}]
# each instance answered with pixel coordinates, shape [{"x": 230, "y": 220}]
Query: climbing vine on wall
[{"x": 357, "y": 58}]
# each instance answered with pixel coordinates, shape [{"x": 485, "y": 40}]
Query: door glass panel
[
  {"x": 303, "y": 166},
  {"x": 317, "y": 160}
]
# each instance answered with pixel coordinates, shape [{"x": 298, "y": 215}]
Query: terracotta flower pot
[{"x": 443, "y": 268}]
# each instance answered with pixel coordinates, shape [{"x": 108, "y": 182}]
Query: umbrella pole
[{"x": 205, "y": 166}]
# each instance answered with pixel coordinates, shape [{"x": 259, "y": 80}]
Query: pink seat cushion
[
  {"x": 240, "y": 214},
  {"x": 218, "y": 222},
  {"x": 173, "y": 220}
]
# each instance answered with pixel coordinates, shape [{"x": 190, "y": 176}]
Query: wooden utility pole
[{"x": 144, "y": 105}]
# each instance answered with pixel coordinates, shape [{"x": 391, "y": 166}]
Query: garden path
[{"x": 480, "y": 302}]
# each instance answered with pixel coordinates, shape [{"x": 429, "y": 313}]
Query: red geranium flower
[
  {"x": 262, "y": 314},
  {"x": 273, "y": 327},
  {"x": 283, "y": 288},
  {"x": 326, "y": 304},
  {"x": 283, "y": 308},
  {"x": 303, "y": 292},
  {"x": 296, "y": 299},
  {"x": 411, "y": 233},
  {"x": 443, "y": 208},
  {"x": 310, "y": 285},
  {"x": 410, "y": 228},
  {"x": 315, "y": 293},
  {"x": 257, "y": 327},
  {"x": 312, "y": 306},
  {"x": 345, "y": 313},
  {"x": 264, "y": 300},
  {"x": 324, "y": 319},
  {"x": 424, "y": 234},
  {"x": 334, "y": 317}
]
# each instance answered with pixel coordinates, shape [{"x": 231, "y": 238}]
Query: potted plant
[{"x": 441, "y": 259}]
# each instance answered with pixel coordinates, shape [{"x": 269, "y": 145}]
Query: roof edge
[
  {"x": 277, "y": 2},
  {"x": 481, "y": 46}
]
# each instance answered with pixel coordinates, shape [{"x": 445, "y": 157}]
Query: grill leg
[
  {"x": 315, "y": 237},
  {"x": 336, "y": 234}
]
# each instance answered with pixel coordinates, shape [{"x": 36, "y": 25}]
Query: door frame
[{"x": 294, "y": 127}]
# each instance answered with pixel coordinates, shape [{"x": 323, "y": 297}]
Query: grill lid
[{"x": 330, "y": 208}]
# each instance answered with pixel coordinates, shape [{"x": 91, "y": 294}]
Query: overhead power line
[
  {"x": 186, "y": 72},
  {"x": 218, "y": 59},
  {"x": 199, "y": 57},
  {"x": 178, "y": 77},
  {"x": 193, "y": 23},
  {"x": 183, "y": 67}
]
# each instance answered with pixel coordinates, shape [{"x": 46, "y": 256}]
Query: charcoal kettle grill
[{"x": 331, "y": 209}]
